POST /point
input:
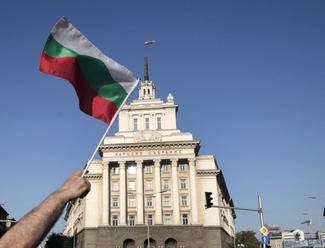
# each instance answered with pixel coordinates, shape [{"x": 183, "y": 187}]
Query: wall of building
[
  {"x": 186, "y": 237},
  {"x": 155, "y": 145}
]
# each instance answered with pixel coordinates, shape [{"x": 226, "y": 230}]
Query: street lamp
[{"x": 147, "y": 222}]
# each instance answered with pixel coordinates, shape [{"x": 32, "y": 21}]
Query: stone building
[{"x": 149, "y": 185}]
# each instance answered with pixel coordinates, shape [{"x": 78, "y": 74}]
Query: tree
[
  {"x": 247, "y": 239},
  {"x": 58, "y": 240}
]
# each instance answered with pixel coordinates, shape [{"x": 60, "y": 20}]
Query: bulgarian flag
[{"x": 102, "y": 85}]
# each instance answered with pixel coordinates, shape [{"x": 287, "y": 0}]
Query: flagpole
[
  {"x": 107, "y": 129},
  {"x": 85, "y": 170}
]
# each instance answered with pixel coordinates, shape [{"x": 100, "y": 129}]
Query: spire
[{"x": 146, "y": 70}]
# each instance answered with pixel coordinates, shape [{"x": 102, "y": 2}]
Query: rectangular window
[
  {"x": 165, "y": 184},
  {"x": 148, "y": 169},
  {"x": 114, "y": 220},
  {"x": 114, "y": 202},
  {"x": 131, "y": 220},
  {"x": 149, "y": 219},
  {"x": 132, "y": 202},
  {"x": 115, "y": 186},
  {"x": 182, "y": 167},
  {"x": 184, "y": 200},
  {"x": 148, "y": 185},
  {"x": 158, "y": 122},
  {"x": 183, "y": 184},
  {"x": 135, "y": 124},
  {"x": 115, "y": 170},
  {"x": 146, "y": 123},
  {"x": 132, "y": 169},
  {"x": 131, "y": 185},
  {"x": 185, "y": 219},
  {"x": 149, "y": 202},
  {"x": 165, "y": 168},
  {"x": 166, "y": 202},
  {"x": 167, "y": 219}
]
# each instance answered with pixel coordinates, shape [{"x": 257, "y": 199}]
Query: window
[
  {"x": 131, "y": 202},
  {"x": 166, "y": 202},
  {"x": 184, "y": 200},
  {"x": 149, "y": 219},
  {"x": 135, "y": 124},
  {"x": 149, "y": 201},
  {"x": 167, "y": 219},
  {"x": 114, "y": 202},
  {"x": 148, "y": 169},
  {"x": 146, "y": 123},
  {"x": 115, "y": 186},
  {"x": 131, "y": 185},
  {"x": 183, "y": 184},
  {"x": 158, "y": 122},
  {"x": 132, "y": 169},
  {"x": 114, "y": 220},
  {"x": 131, "y": 220},
  {"x": 149, "y": 185},
  {"x": 185, "y": 219},
  {"x": 165, "y": 168},
  {"x": 115, "y": 170},
  {"x": 182, "y": 167},
  {"x": 148, "y": 91},
  {"x": 165, "y": 184}
]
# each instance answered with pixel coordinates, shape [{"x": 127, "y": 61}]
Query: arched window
[
  {"x": 148, "y": 91},
  {"x": 170, "y": 243},
  {"x": 153, "y": 243},
  {"x": 129, "y": 243}
]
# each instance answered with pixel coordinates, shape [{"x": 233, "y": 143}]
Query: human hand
[{"x": 74, "y": 187}]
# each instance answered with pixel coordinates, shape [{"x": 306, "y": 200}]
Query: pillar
[
  {"x": 158, "y": 212},
  {"x": 175, "y": 192},
  {"x": 193, "y": 191},
  {"x": 105, "y": 196},
  {"x": 122, "y": 194},
  {"x": 139, "y": 196}
]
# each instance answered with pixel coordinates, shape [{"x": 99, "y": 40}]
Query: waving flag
[{"x": 102, "y": 85}]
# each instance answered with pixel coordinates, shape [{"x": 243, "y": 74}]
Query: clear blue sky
[{"x": 249, "y": 77}]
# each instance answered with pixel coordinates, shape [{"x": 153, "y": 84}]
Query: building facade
[{"x": 148, "y": 186}]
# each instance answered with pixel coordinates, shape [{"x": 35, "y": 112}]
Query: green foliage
[
  {"x": 58, "y": 240},
  {"x": 247, "y": 239}
]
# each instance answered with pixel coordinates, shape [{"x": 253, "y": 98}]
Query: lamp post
[{"x": 147, "y": 222}]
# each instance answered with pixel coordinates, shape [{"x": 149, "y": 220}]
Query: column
[
  {"x": 175, "y": 192},
  {"x": 139, "y": 196},
  {"x": 122, "y": 194},
  {"x": 158, "y": 213},
  {"x": 105, "y": 196},
  {"x": 193, "y": 191}
]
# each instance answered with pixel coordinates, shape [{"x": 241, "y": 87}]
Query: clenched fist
[{"x": 74, "y": 187}]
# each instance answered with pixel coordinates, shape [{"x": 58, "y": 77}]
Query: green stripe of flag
[{"x": 94, "y": 71}]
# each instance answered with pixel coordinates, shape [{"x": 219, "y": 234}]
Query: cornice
[
  {"x": 93, "y": 176},
  {"x": 214, "y": 172},
  {"x": 149, "y": 146}
]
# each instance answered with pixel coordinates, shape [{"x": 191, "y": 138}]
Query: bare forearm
[{"x": 32, "y": 228}]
